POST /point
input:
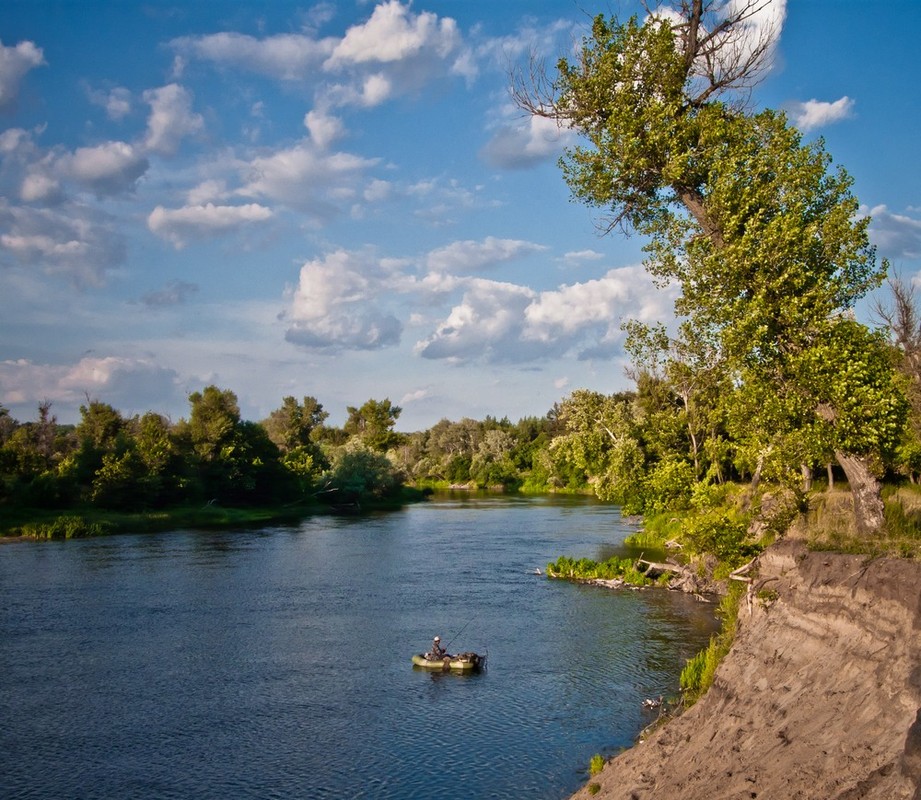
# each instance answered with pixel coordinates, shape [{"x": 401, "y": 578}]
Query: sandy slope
[{"x": 818, "y": 698}]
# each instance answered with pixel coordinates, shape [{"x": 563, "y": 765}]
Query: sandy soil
[{"x": 818, "y": 698}]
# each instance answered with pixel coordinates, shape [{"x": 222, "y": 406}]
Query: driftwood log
[
  {"x": 656, "y": 569},
  {"x": 681, "y": 578}
]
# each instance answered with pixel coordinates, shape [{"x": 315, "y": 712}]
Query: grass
[
  {"x": 90, "y": 521},
  {"x": 82, "y": 521},
  {"x": 829, "y": 524},
  {"x": 697, "y": 675},
  {"x": 585, "y": 569}
]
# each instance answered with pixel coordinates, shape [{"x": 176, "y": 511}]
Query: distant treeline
[{"x": 649, "y": 449}]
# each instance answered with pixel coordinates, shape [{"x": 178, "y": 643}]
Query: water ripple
[{"x": 275, "y": 663}]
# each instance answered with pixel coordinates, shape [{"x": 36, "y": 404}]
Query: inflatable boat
[{"x": 465, "y": 662}]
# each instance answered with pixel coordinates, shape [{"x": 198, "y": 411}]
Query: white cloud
[
  {"x": 115, "y": 101},
  {"x": 393, "y": 53},
  {"x": 128, "y": 384},
  {"x": 415, "y": 396},
  {"x": 73, "y": 240},
  {"x": 286, "y": 57},
  {"x": 757, "y": 33},
  {"x": 509, "y": 323},
  {"x": 576, "y": 258},
  {"x": 471, "y": 256},
  {"x": 377, "y": 190},
  {"x": 897, "y": 236},
  {"x": 487, "y": 324},
  {"x": 596, "y": 303},
  {"x": 206, "y": 192},
  {"x": 815, "y": 113},
  {"x": 336, "y": 304},
  {"x": 375, "y": 90},
  {"x": 107, "y": 169},
  {"x": 171, "y": 118},
  {"x": 15, "y": 62},
  {"x": 181, "y": 224},
  {"x": 14, "y": 140},
  {"x": 306, "y": 178},
  {"x": 324, "y": 128},
  {"x": 38, "y": 186},
  {"x": 394, "y": 34},
  {"x": 530, "y": 142}
]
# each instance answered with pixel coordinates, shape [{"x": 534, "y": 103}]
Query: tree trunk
[
  {"x": 831, "y": 476},
  {"x": 865, "y": 489},
  {"x": 807, "y": 477}
]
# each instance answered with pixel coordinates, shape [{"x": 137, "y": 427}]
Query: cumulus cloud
[
  {"x": 395, "y": 52},
  {"x": 116, "y": 101},
  {"x": 394, "y": 34},
  {"x": 15, "y": 62},
  {"x": 38, "y": 186},
  {"x": 324, "y": 128},
  {"x": 107, "y": 169},
  {"x": 486, "y": 324},
  {"x": 171, "y": 118},
  {"x": 504, "y": 322},
  {"x": 532, "y": 141},
  {"x": 73, "y": 240},
  {"x": 897, "y": 236},
  {"x": 129, "y": 384},
  {"x": 306, "y": 178},
  {"x": 285, "y": 57},
  {"x": 336, "y": 304},
  {"x": 179, "y": 225},
  {"x": 815, "y": 113},
  {"x": 471, "y": 256}
]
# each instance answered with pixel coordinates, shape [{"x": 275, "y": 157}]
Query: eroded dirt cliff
[{"x": 820, "y": 696}]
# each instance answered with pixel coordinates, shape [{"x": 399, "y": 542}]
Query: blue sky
[{"x": 339, "y": 199}]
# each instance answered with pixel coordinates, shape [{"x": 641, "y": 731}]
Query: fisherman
[{"x": 438, "y": 652}]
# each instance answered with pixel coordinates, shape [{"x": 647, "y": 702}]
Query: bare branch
[{"x": 533, "y": 91}]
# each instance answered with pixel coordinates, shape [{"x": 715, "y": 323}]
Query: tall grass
[{"x": 697, "y": 675}]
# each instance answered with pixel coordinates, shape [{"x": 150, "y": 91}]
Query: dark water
[{"x": 276, "y": 662}]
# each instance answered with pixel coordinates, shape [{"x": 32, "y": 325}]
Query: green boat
[{"x": 462, "y": 662}]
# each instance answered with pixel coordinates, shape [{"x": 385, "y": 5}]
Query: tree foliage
[{"x": 754, "y": 226}]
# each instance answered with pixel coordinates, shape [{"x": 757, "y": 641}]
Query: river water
[{"x": 275, "y": 663}]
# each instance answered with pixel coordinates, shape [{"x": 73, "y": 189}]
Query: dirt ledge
[{"x": 820, "y": 696}]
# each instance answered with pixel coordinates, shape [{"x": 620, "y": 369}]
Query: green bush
[
  {"x": 669, "y": 485},
  {"x": 596, "y": 764},
  {"x": 722, "y": 533}
]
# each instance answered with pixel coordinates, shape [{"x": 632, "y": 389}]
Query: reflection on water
[{"x": 277, "y": 662}]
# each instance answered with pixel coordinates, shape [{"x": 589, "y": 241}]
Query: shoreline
[{"x": 818, "y": 697}]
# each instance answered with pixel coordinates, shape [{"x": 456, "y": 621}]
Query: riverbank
[
  {"x": 85, "y": 521},
  {"x": 818, "y": 698}
]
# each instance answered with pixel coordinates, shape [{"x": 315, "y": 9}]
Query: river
[{"x": 275, "y": 663}]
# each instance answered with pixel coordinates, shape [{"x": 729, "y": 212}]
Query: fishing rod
[{"x": 460, "y": 631}]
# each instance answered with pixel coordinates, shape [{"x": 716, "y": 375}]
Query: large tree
[
  {"x": 760, "y": 234},
  {"x": 294, "y": 424},
  {"x": 373, "y": 424}
]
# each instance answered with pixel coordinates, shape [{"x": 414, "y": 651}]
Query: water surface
[{"x": 276, "y": 662}]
